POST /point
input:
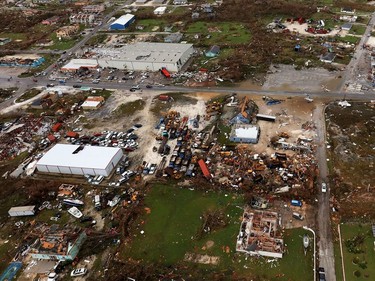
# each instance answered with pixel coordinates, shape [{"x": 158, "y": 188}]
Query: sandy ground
[
  {"x": 290, "y": 115},
  {"x": 300, "y": 28},
  {"x": 286, "y": 78}
]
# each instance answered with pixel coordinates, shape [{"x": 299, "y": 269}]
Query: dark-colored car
[
  {"x": 76, "y": 86},
  {"x": 50, "y": 85},
  {"x": 148, "y": 86},
  {"x": 85, "y": 219}
]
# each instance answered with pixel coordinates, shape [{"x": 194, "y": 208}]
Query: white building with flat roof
[
  {"x": 147, "y": 56},
  {"x": 244, "y": 133},
  {"x": 141, "y": 56},
  {"x": 80, "y": 160}
]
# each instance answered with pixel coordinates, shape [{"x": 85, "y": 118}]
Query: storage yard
[
  {"x": 185, "y": 140},
  {"x": 165, "y": 139}
]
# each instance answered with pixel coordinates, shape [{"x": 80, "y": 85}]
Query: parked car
[
  {"x": 297, "y": 216},
  {"x": 78, "y": 272},
  {"x": 324, "y": 187},
  {"x": 322, "y": 275},
  {"x": 52, "y": 276},
  {"x": 50, "y": 85}
]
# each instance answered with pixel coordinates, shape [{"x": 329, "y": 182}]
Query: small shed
[
  {"x": 160, "y": 10},
  {"x": 347, "y": 26},
  {"x": 213, "y": 52},
  {"x": 173, "y": 38},
  {"x": 204, "y": 169},
  {"x": 328, "y": 57}
]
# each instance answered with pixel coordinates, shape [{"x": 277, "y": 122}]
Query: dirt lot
[{"x": 287, "y": 78}]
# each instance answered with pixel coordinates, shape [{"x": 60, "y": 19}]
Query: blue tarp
[
  {"x": 239, "y": 119},
  {"x": 11, "y": 271}
]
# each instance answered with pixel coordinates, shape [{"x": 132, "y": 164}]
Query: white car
[
  {"x": 52, "y": 276},
  {"x": 78, "y": 272},
  {"x": 324, "y": 187},
  {"x": 75, "y": 212}
]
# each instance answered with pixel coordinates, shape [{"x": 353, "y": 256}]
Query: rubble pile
[{"x": 18, "y": 136}]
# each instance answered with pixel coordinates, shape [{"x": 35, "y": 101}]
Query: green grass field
[
  {"x": 170, "y": 231},
  {"x": 63, "y": 44},
  {"x": 358, "y": 29},
  {"x": 220, "y": 33},
  {"x": 363, "y": 262},
  {"x": 149, "y": 25}
]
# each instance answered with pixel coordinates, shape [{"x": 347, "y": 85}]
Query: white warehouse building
[
  {"x": 144, "y": 56},
  {"x": 148, "y": 56},
  {"x": 80, "y": 160}
]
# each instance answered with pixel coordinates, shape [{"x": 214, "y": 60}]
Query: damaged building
[
  {"x": 260, "y": 235},
  {"x": 57, "y": 244}
]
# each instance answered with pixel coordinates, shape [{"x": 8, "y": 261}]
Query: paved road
[
  {"x": 352, "y": 68},
  {"x": 325, "y": 245}
]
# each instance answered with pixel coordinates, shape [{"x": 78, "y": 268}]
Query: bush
[
  {"x": 355, "y": 260},
  {"x": 357, "y": 273},
  {"x": 353, "y": 245}
]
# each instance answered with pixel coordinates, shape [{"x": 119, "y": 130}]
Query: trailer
[{"x": 22, "y": 211}]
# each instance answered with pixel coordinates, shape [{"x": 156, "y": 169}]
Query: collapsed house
[
  {"x": 57, "y": 244},
  {"x": 260, "y": 235}
]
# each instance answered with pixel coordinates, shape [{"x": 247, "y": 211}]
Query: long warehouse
[
  {"x": 141, "y": 56},
  {"x": 80, "y": 160}
]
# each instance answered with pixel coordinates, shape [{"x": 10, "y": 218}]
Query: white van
[{"x": 97, "y": 202}]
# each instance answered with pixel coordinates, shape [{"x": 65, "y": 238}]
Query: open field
[
  {"x": 359, "y": 258},
  {"x": 172, "y": 219},
  {"x": 224, "y": 33}
]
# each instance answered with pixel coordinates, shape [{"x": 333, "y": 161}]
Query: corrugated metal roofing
[
  {"x": 204, "y": 169},
  {"x": 123, "y": 19}
]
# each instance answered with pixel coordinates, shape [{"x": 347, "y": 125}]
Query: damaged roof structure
[
  {"x": 260, "y": 235},
  {"x": 57, "y": 244}
]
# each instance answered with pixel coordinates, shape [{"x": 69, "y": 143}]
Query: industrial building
[
  {"x": 141, "y": 56},
  {"x": 76, "y": 64},
  {"x": 122, "y": 22},
  {"x": 80, "y": 160},
  {"x": 147, "y": 56},
  {"x": 260, "y": 234},
  {"x": 244, "y": 133}
]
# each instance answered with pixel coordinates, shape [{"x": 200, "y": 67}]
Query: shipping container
[
  {"x": 22, "y": 211},
  {"x": 165, "y": 72}
]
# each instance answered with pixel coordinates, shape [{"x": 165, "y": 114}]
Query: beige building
[
  {"x": 67, "y": 31},
  {"x": 93, "y": 9},
  {"x": 82, "y": 18}
]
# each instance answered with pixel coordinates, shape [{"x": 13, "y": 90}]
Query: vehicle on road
[
  {"x": 324, "y": 187},
  {"x": 322, "y": 274},
  {"x": 148, "y": 86},
  {"x": 50, "y": 85},
  {"x": 78, "y": 272}
]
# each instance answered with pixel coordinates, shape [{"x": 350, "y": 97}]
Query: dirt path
[{"x": 326, "y": 253}]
